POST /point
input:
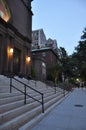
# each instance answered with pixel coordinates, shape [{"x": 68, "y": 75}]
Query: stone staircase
[{"x": 14, "y": 115}]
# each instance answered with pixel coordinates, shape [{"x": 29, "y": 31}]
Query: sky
[{"x": 63, "y": 20}]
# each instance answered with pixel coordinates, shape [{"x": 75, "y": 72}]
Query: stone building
[
  {"x": 51, "y": 43},
  {"x": 42, "y": 60},
  {"x": 38, "y": 39},
  {"x": 15, "y": 37}
]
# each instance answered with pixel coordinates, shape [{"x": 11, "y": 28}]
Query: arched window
[{"x": 4, "y": 11}]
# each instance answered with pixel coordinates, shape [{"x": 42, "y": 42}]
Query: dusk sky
[{"x": 63, "y": 20}]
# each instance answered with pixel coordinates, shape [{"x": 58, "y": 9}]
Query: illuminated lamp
[
  {"x": 27, "y": 59},
  {"x": 77, "y": 80},
  {"x": 11, "y": 52}
]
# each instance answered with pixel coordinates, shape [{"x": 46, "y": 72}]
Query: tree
[
  {"x": 53, "y": 73},
  {"x": 64, "y": 62},
  {"x": 84, "y": 34},
  {"x": 80, "y": 57}
]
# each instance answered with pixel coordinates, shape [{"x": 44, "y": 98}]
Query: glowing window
[{"x": 4, "y": 11}]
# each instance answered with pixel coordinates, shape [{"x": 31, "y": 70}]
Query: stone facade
[
  {"x": 46, "y": 55},
  {"x": 51, "y": 43},
  {"x": 38, "y": 39},
  {"x": 39, "y": 66},
  {"x": 15, "y": 37}
]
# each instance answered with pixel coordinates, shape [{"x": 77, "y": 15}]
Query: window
[
  {"x": 43, "y": 68},
  {"x": 43, "y": 54},
  {"x": 36, "y": 36}
]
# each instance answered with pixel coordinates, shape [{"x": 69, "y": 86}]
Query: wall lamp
[
  {"x": 11, "y": 51},
  {"x": 27, "y": 59}
]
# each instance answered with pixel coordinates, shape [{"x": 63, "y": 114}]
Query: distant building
[
  {"x": 53, "y": 44},
  {"x": 42, "y": 60},
  {"x": 44, "y": 54},
  {"x": 15, "y": 36},
  {"x": 38, "y": 39}
]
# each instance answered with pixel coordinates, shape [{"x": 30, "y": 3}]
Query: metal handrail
[{"x": 25, "y": 93}]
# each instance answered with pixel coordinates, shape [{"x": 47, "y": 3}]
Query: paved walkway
[{"x": 69, "y": 115}]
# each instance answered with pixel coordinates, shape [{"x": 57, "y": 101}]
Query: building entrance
[{"x": 16, "y": 61}]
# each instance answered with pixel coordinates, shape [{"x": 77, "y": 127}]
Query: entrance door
[{"x": 16, "y": 61}]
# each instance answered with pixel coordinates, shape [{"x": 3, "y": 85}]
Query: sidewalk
[{"x": 69, "y": 115}]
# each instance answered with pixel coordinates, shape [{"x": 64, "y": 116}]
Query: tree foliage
[
  {"x": 72, "y": 67},
  {"x": 80, "y": 57},
  {"x": 53, "y": 73},
  {"x": 64, "y": 62}
]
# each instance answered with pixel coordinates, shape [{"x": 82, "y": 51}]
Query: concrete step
[
  {"x": 8, "y": 98},
  {"x": 29, "y": 125},
  {"x": 15, "y": 112},
  {"x": 14, "y": 115},
  {"x": 11, "y": 97},
  {"x": 9, "y": 115},
  {"x": 6, "y": 95},
  {"x": 16, "y": 104},
  {"x": 17, "y": 122}
]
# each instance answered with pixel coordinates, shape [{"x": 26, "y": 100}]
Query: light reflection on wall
[{"x": 4, "y": 11}]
